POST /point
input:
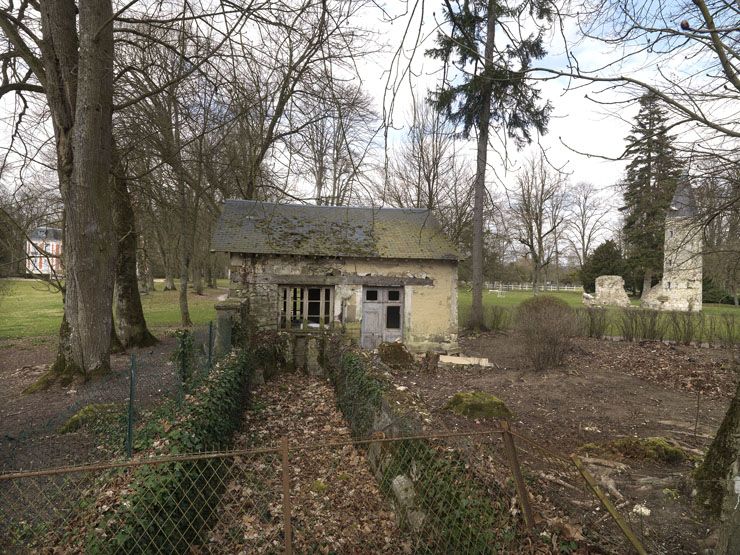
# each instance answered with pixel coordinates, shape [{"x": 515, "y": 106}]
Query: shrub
[
  {"x": 686, "y": 326},
  {"x": 497, "y": 318},
  {"x": 455, "y": 514},
  {"x": 166, "y": 505},
  {"x": 546, "y": 325},
  {"x": 629, "y": 324},
  {"x": 593, "y": 321},
  {"x": 726, "y": 332},
  {"x": 650, "y": 325}
]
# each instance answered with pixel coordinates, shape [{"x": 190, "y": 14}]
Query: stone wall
[
  {"x": 609, "y": 292},
  {"x": 681, "y": 287},
  {"x": 429, "y": 289}
]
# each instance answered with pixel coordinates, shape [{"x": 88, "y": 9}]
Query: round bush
[{"x": 545, "y": 326}]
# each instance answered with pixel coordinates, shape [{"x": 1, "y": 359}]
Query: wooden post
[
  {"x": 287, "y": 529},
  {"x": 516, "y": 473},
  {"x": 621, "y": 522}
]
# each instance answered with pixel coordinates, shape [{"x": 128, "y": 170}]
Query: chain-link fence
[
  {"x": 100, "y": 420},
  {"x": 388, "y": 495}
]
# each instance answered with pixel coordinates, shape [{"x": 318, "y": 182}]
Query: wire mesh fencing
[
  {"x": 398, "y": 495},
  {"x": 101, "y": 419},
  {"x": 417, "y": 494}
]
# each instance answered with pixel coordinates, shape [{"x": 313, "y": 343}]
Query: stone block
[{"x": 609, "y": 292}]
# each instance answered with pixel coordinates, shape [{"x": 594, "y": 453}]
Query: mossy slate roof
[{"x": 257, "y": 227}]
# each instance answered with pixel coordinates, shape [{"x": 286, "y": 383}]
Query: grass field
[
  {"x": 512, "y": 299},
  {"x": 30, "y": 308}
]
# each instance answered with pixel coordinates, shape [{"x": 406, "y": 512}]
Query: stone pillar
[{"x": 228, "y": 313}]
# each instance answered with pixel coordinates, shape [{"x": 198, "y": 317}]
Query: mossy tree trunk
[
  {"x": 130, "y": 319},
  {"x": 716, "y": 477}
]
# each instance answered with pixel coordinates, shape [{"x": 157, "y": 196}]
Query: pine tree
[
  {"x": 648, "y": 188},
  {"x": 491, "y": 88}
]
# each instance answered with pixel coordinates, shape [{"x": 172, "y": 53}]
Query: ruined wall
[
  {"x": 430, "y": 310},
  {"x": 680, "y": 288},
  {"x": 609, "y": 292}
]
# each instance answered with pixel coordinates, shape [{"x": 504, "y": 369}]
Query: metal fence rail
[{"x": 391, "y": 495}]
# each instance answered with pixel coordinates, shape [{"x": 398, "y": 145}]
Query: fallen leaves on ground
[{"x": 335, "y": 501}]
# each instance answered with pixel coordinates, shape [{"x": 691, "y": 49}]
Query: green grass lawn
[
  {"x": 30, "y": 308},
  {"x": 512, "y": 299}
]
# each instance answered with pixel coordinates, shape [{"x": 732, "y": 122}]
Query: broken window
[
  {"x": 393, "y": 317},
  {"x": 305, "y": 308}
]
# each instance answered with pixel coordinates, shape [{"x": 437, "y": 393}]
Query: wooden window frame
[{"x": 294, "y": 300}]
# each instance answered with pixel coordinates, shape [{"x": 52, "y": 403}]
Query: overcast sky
[{"x": 577, "y": 124}]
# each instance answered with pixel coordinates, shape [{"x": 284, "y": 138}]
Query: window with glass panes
[{"x": 305, "y": 308}]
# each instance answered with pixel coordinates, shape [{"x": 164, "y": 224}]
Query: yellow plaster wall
[{"x": 430, "y": 312}]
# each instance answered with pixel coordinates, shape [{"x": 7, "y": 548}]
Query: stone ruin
[{"x": 609, "y": 292}]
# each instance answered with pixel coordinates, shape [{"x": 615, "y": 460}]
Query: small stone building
[
  {"x": 378, "y": 274},
  {"x": 681, "y": 287}
]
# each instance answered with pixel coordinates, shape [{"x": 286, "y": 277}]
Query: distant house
[
  {"x": 378, "y": 274},
  {"x": 44, "y": 251}
]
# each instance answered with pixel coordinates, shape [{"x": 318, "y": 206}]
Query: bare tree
[
  {"x": 537, "y": 211},
  {"x": 427, "y": 171},
  {"x": 587, "y": 217}
]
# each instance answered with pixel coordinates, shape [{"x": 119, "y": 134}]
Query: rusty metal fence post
[
  {"x": 287, "y": 529},
  {"x": 618, "y": 518},
  {"x": 516, "y": 473}
]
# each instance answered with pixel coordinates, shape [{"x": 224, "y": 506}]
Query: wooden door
[{"x": 382, "y": 316}]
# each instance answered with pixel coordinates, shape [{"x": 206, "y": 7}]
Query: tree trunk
[
  {"x": 476, "y": 312},
  {"x": 198, "y": 279},
  {"x": 647, "y": 282},
  {"x": 185, "y": 253},
  {"x": 115, "y": 343},
  {"x": 729, "y": 530},
  {"x": 210, "y": 275},
  {"x": 719, "y": 465},
  {"x": 169, "y": 280},
  {"x": 129, "y": 312},
  {"x": 144, "y": 265},
  {"x": 78, "y": 86}
]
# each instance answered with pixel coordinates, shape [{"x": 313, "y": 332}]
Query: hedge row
[
  {"x": 459, "y": 516},
  {"x": 165, "y": 507},
  {"x": 633, "y": 324}
]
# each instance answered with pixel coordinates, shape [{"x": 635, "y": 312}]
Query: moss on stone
[
  {"x": 649, "y": 448},
  {"x": 396, "y": 355},
  {"x": 86, "y": 415},
  {"x": 478, "y": 404}
]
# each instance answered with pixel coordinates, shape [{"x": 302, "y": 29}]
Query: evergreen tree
[
  {"x": 648, "y": 188},
  {"x": 606, "y": 260},
  {"x": 490, "y": 88}
]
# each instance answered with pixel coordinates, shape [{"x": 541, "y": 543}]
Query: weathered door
[{"x": 382, "y": 316}]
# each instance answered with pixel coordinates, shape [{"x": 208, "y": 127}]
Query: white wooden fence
[{"x": 498, "y": 286}]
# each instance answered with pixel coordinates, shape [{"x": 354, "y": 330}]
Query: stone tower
[{"x": 680, "y": 288}]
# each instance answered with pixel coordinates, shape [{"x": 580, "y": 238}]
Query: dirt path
[{"x": 337, "y": 506}]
